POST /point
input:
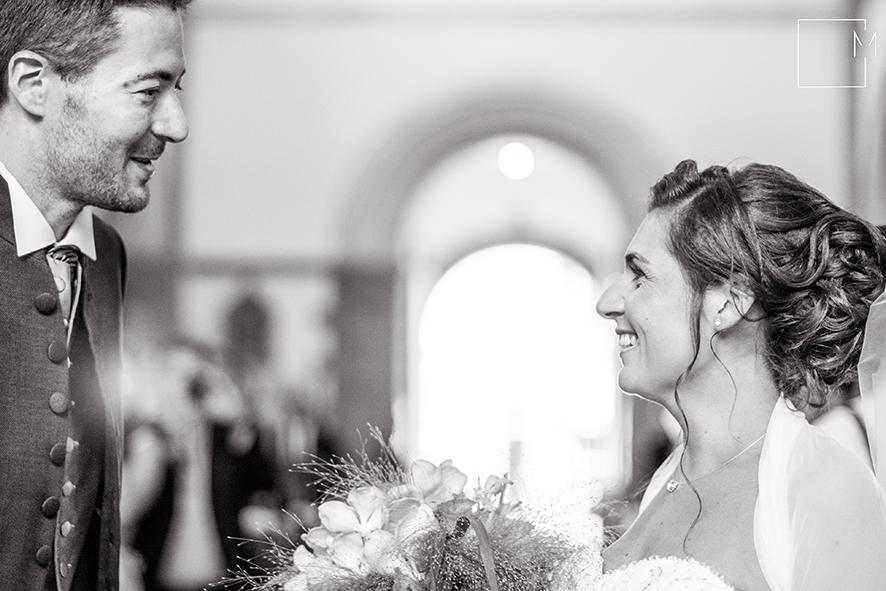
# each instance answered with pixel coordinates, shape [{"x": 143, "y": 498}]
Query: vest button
[
  {"x": 67, "y": 526},
  {"x": 68, "y": 488},
  {"x": 59, "y": 402},
  {"x": 57, "y": 351},
  {"x": 45, "y": 303},
  {"x": 57, "y": 454},
  {"x": 44, "y": 556},
  {"x": 50, "y": 507}
]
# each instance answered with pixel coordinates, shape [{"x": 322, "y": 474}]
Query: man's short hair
[{"x": 73, "y": 35}]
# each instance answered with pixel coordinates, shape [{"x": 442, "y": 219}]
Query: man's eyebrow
[{"x": 162, "y": 75}]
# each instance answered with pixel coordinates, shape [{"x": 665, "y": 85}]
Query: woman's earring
[{"x": 717, "y": 322}]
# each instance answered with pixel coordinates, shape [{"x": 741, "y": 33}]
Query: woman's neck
[{"x": 722, "y": 414}]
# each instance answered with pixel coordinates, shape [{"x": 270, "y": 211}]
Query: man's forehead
[{"x": 150, "y": 43}]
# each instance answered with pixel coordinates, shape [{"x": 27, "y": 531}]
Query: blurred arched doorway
[
  {"x": 515, "y": 372},
  {"x": 508, "y": 367}
]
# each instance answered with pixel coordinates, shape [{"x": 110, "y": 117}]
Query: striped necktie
[{"x": 65, "y": 264}]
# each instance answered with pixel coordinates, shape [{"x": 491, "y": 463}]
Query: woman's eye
[{"x": 637, "y": 273}]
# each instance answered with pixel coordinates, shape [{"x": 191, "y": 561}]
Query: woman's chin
[
  {"x": 628, "y": 381},
  {"x": 633, "y": 388}
]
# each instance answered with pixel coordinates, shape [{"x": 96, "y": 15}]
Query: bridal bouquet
[{"x": 390, "y": 528}]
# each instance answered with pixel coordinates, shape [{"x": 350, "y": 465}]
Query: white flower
[
  {"x": 347, "y": 527},
  {"x": 496, "y": 485},
  {"x": 364, "y": 512},
  {"x": 438, "y": 484},
  {"x": 347, "y": 552},
  {"x": 370, "y": 505}
]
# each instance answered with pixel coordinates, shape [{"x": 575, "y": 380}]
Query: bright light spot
[
  {"x": 516, "y": 161},
  {"x": 516, "y": 373}
]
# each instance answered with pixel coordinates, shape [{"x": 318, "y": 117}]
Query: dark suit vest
[{"x": 45, "y": 407}]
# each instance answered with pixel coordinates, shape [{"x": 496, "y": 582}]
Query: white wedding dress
[
  {"x": 820, "y": 515},
  {"x": 819, "y": 520}
]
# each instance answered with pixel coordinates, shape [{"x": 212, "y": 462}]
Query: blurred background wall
[{"x": 342, "y": 159}]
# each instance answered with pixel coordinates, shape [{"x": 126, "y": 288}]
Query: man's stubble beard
[{"x": 85, "y": 169}]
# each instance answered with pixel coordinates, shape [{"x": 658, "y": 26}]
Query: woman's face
[{"x": 650, "y": 303}]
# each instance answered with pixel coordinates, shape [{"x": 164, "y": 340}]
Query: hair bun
[{"x": 813, "y": 267}]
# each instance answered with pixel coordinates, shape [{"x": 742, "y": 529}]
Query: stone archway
[
  {"x": 613, "y": 146},
  {"x": 371, "y": 330}
]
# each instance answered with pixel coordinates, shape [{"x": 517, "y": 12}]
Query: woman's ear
[
  {"x": 726, "y": 304},
  {"x": 27, "y": 77}
]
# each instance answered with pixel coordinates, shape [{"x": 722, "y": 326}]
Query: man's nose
[{"x": 170, "y": 123}]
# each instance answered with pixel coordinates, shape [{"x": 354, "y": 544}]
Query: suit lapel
[
  {"x": 7, "y": 229},
  {"x": 102, "y": 314}
]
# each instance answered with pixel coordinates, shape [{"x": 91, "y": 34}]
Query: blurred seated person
[{"x": 208, "y": 438}]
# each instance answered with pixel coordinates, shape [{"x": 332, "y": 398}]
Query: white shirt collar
[{"x": 33, "y": 232}]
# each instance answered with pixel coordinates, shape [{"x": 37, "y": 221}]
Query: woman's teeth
[{"x": 626, "y": 341}]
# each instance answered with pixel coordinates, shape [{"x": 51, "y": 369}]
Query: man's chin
[
  {"x": 135, "y": 206},
  {"x": 132, "y": 202}
]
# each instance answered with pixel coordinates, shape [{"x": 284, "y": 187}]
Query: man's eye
[{"x": 150, "y": 92}]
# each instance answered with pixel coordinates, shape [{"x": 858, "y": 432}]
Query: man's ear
[
  {"x": 726, "y": 304},
  {"x": 27, "y": 77}
]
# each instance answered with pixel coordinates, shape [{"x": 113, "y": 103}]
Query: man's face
[{"x": 115, "y": 121}]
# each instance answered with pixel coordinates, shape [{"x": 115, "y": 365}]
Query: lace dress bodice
[
  {"x": 657, "y": 573},
  {"x": 663, "y": 574}
]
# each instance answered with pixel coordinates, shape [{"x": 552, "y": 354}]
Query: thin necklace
[{"x": 673, "y": 485}]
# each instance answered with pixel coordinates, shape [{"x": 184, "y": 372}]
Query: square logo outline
[{"x": 865, "y": 59}]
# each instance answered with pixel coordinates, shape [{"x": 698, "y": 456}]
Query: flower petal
[
  {"x": 453, "y": 479},
  {"x": 302, "y": 557},
  {"x": 496, "y": 484},
  {"x": 404, "y": 491},
  {"x": 338, "y": 517},
  {"x": 419, "y": 518},
  {"x": 378, "y": 551},
  {"x": 318, "y": 538},
  {"x": 425, "y": 475},
  {"x": 438, "y": 484},
  {"x": 347, "y": 552},
  {"x": 369, "y": 504},
  {"x": 398, "y": 510}
]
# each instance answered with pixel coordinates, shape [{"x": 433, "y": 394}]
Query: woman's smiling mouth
[{"x": 626, "y": 340}]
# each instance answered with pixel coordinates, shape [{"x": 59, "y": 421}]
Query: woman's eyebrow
[{"x": 633, "y": 259}]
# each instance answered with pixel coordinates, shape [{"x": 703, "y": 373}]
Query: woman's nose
[{"x": 611, "y": 304}]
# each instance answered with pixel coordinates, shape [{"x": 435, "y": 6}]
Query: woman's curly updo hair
[{"x": 813, "y": 267}]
